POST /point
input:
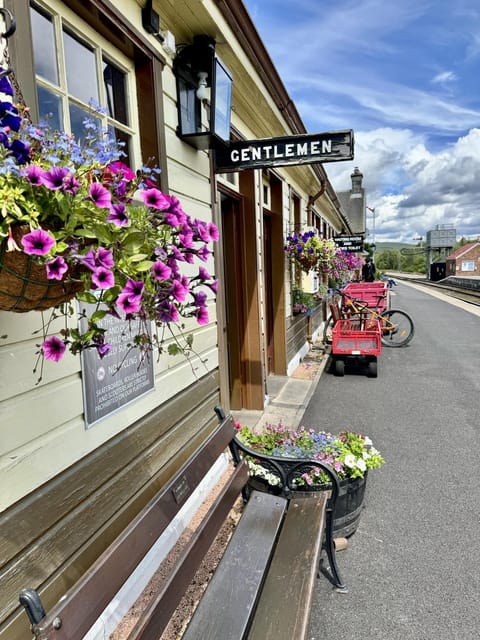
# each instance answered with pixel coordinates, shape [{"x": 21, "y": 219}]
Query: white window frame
[{"x": 62, "y": 16}]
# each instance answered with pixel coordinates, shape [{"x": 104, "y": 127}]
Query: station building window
[{"x": 75, "y": 70}]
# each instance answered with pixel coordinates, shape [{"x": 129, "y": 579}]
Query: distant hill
[{"x": 382, "y": 246}]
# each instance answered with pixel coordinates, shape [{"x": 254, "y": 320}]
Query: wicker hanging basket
[{"x": 24, "y": 285}]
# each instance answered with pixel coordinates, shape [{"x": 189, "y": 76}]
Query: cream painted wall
[{"x": 43, "y": 430}]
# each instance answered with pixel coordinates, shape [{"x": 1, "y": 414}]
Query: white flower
[
  {"x": 361, "y": 464},
  {"x": 368, "y": 442},
  {"x": 349, "y": 461}
]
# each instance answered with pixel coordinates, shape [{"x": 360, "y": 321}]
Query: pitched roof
[{"x": 458, "y": 253}]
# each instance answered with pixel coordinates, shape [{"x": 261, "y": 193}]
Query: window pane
[
  {"x": 124, "y": 143},
  {"x": 81, "y": 69},
  {"x": 114, "y": 81},
  {"x": 77, "y": 118},
  {"x": 44, "y": 47},
  {"x": 50, "y": 108}
]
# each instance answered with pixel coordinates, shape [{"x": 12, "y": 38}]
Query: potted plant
[
  {"x": 273, "y": 453},
  {"x": 77, "y": 223}
]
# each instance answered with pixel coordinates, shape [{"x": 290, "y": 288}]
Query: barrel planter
[{"x": 350, "y": 501}]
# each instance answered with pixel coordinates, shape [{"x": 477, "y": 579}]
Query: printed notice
[{"x": 120, "y": 377}]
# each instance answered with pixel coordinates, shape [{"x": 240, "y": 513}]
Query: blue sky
[{"x": 406, "y": 79}]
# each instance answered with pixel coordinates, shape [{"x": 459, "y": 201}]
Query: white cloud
[
  {"x": 414, "y": 189},
  {"x": 444, "y": 77}
]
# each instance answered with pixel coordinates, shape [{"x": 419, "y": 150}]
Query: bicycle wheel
[{"x": 397, "y": 328}]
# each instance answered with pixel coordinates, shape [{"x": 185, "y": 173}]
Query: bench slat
[
  {"x": 157, "y": 615},
  {"x": 284, "y": 606},
  {"x": 225, "y": 609}
]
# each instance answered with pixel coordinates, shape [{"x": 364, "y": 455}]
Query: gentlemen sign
[
  {"x": 349, "y": 243},
  {"x": 288, "y": 150}
]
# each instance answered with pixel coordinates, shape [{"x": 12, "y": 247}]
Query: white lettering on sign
[{"x": 290, "y": 150}]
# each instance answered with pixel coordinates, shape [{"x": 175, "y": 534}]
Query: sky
[{"x": 405, "y": 78}]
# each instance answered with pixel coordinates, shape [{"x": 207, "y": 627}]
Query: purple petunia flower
[
  {"x": 213, "y": 231},
  {"x": 71, "y": 184},
  {"x": 171, "y": 219},
  {"x": 203, "y": 274},
  {"x": 53, "y": 349},
  {"x": 134, "y": 289},
  {"x": 203, "y": 253},
  {"x": 118, "y": 215},
  {"x": 54, "y": 177},
  {"x": 103, "y": 278},
  {"x": 56, "y": 268},
  {"x": 202, "y": 315},
  {"x": 168, "y": 312},
  {"x": 179, "y": 291},
  {"x": 21, "y": 151},
  {"x": 5, "y": 86},
  {"x": 89, "y": 260},
  {"x": 186, "y": 239},
  {"x": 155, "y": 198},
  {"x": 128, "y": 304},
  {"x": 200, "y": 298},
  {"x": 103, "y": 349},
  {"x": 161, "y": 271},
  {"x": 34, "y": 175},
  {"x": 100, "y": 195},
  {"x": 104, "y": 258},
  {"x": 38, "y": 242}
]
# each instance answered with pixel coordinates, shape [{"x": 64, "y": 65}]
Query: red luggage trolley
[{"x": 349, "y": 340}]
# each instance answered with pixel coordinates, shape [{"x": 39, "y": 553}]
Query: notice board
[{"x": 120, "y": 377}]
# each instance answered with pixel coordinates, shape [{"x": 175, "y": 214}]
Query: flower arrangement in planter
[
  {"x": 75, "y": 222},
  {"x": 350, "y": 454},
  {"x": 303, "y": 302},
  {"x": 281, "y": 460}
]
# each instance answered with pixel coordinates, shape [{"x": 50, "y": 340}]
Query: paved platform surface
[{"x": 412, "y": 567}]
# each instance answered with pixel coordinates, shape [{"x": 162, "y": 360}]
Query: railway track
[{"x": 470, "y": 293}]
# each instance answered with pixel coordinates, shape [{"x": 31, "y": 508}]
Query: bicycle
[{"x": 397, "y": 328}]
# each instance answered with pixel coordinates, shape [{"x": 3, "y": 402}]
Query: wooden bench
[{"x": 263, "y": 585}]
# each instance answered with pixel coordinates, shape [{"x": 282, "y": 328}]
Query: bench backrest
[{"x": 83, "y": 604}]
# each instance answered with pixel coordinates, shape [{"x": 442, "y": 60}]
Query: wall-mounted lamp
[{"x": 203, "y": 116}]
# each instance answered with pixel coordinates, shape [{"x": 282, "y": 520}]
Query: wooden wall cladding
[{"x": 52, "y": 536}]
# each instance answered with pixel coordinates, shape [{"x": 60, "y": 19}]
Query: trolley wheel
[
  {"x": 339, "y": 367},
  {"x": 372, "y": 370}
]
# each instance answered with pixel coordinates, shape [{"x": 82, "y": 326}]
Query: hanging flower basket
[{"x": 24, "y": 285}]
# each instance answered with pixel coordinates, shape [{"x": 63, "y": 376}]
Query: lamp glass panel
[
  {"x": 188, "y": 108},
  {"x": 222, "y": 101}
]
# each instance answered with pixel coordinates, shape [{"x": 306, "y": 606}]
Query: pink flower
[
  {"x": 103, "y": 278},
  {"x": 128, "y": 304},
  {"x": 179, "y": 291},
  {"x": 56, "y": 268},
  {"x": 134, "y": 289},
  {"x": 100, "y": 195},
  {"x": 161, "y": 271},
  {"x": 155, "y": 199},
  {"x": 118, "y": 215},
  {"x": 202, "y": 315},
  {"x": 53, "y": 348},
  {"x": 37, "y": 242}
]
